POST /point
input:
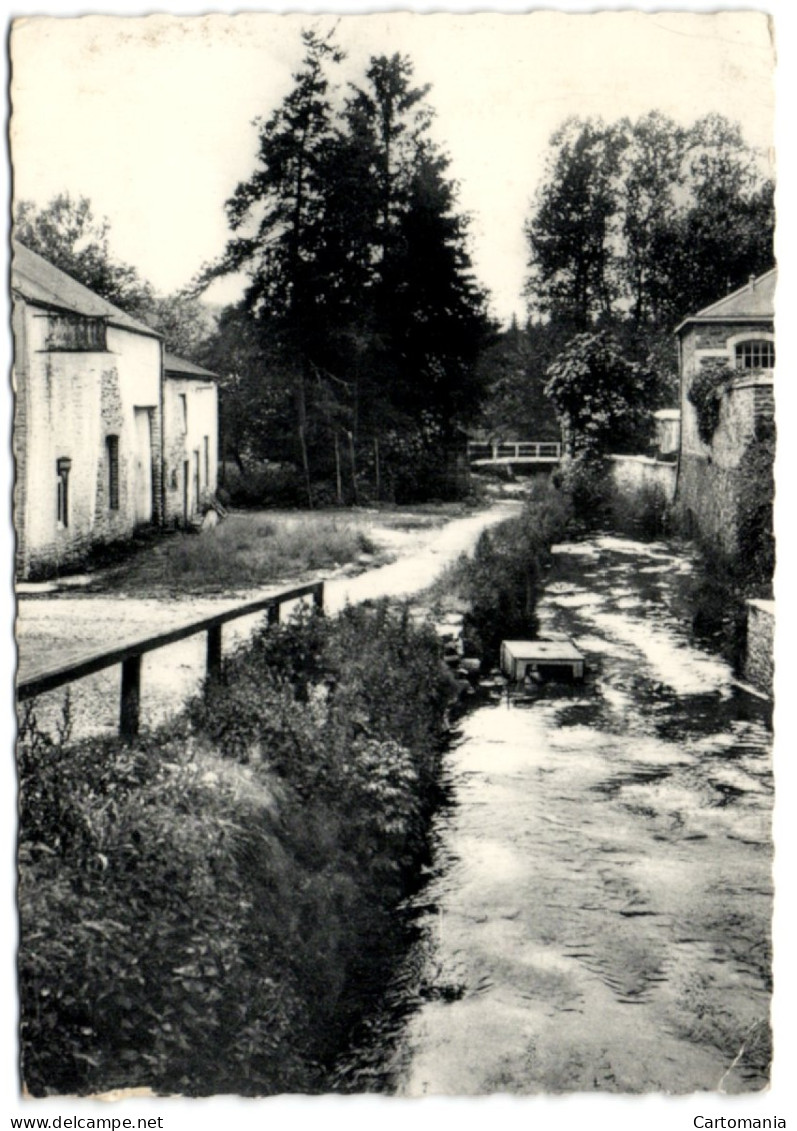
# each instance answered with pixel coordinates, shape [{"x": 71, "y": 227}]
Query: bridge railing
[
  {"x": 50, "y": 677},
  {"x": 530, "y": 451}
]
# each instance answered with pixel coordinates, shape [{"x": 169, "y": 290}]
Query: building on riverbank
[
  {"x": 89, "y": 426},
  {"x": 738, "y": 332}
]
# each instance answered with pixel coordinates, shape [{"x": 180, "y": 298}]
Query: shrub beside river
[
  {"x": 196, "y": 905},
  {"x": 500, "y": 584}
]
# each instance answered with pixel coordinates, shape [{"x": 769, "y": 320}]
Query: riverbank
[
  {"x": 198, "y": 906},
  {"x": 601, "y": 857},
  {"x": 597, "y": 913},
  {"x": 71, "y": 625}
]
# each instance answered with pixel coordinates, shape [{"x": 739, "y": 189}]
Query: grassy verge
[
  {"x": 245, "y": 550},
  {"x": 195, "y": 906}
]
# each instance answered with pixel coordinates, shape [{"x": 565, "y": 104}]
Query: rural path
[{"x": 73, "y": 625}]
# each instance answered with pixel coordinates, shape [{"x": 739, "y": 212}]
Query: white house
[
  {"x": 90, "y": 408},
  {"x": 191, "y": 431}
]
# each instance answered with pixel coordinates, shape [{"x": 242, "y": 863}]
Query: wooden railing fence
[{"x": 50, "y": 677}]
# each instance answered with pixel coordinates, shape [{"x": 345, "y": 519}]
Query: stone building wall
[
  {"x": 191, "y": 437},
  {"x": 709, "y": 483}
]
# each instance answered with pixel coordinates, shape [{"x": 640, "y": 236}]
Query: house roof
[
  {"x": 44, "y": 284},
  {"x": 178, "y": 367},
  {"x": 752, "y": 302}
]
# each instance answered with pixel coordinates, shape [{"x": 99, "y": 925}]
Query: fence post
[
  {"x": 273, "y": 614},
  {"x": 214, "y": 651},
  {"x": 318, "y": 597},
  {"x": 131, "y": 697}
]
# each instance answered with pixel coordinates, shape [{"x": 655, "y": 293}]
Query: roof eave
[
  {"x": 47, "y": 304},
  {"x": 711, "y": 319},
  {"x": 179, "y": 375}
]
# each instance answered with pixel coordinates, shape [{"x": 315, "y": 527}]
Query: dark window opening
[
  {"x": 62, "y": 466},
  {"x": 112, "y": 444},
  {"x": 73, "y": 332}
]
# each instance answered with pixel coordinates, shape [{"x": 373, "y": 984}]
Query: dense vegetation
[
  {"x": 355, "y": 344},
  {"x": 647, "y": 220},
  {"x": 243, "y": 551},
  {"x": 501, "y": 583},
  {"x": 633, "y": 226},
  {"x": 198, "y": 907}
]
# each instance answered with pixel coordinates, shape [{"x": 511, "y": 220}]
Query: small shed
[{"x": 544, "y": 659}]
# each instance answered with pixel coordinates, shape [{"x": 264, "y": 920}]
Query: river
[{"x": 596, "y": 915}]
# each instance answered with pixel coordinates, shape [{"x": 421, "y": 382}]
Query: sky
[
  {"x": 151, "y": 118},
  {"x": 157, "y": 133}
]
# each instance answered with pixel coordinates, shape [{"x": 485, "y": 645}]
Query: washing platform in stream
[{"x": 538, "y": 660}]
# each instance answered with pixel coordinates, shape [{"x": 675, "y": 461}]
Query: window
[
  {"x": 112, "y": 446},
  {"x": 184, "y": 410},
  {"x": 206, "y": 446},
  {"x": 62, "y": 466},
  {"x": 755, "y": 354}
]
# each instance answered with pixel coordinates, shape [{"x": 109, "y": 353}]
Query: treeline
[
  {"x": 634, "y": 226},
  {"x": 350, "y": 364},
  {"x": 646, "y": 221}
]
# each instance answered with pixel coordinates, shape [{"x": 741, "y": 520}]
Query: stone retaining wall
[
  {"x": 634, "y": 474},
  {"x": 759, "y": 665}
]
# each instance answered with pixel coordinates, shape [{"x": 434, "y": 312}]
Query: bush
[
  {"x": 756, "y": 556},
  {"x": 644, "y": 513},
  {"x": 264, "y": 485},
  {"x": 586, "y": 484},
  {"x": 195, "y": 905},
  {"x": 501, "y": 583},
  {"x": 705, "y": 393}
]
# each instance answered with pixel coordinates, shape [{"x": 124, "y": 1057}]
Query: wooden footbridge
[{"x": 521, "y": 453}]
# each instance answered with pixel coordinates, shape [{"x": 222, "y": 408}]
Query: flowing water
[{"x": 597, "y": 912}]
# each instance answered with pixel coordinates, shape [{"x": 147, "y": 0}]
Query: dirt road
[{"x": 60, "y": 627}]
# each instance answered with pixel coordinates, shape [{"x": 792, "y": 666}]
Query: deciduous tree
[
  {"x": 68, "y": 234},
  {"x": 602, "y": 399}
]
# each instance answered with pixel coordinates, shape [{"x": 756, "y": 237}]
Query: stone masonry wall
[
  {"x": 635, "y": 474},
  {"x": 759, "y": 665},
  {"x": 185, "y": 440},
  {"x": 708, "y": 486}
]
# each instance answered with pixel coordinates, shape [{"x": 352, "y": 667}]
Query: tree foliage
[
  {"x": 360, "y": 286},
  {"x": 68, "y": 234},
  {"x": 648, "y": 220},
  {"x": 602, "y": 399},
  {"x": 635, "y": 225},
  {"x": 573, "y": 257}
]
